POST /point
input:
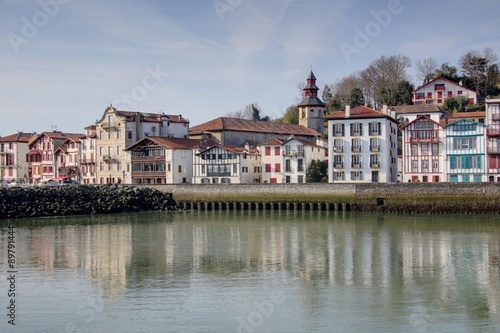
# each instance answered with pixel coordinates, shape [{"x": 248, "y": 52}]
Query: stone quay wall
[{"x": 464, "y": 198}]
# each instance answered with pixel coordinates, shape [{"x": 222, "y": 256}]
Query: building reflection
[{"x": 417, "y": 260}]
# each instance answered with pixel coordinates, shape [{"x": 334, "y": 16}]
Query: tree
[
  {"x": 426, "y": 69},
  {"x": 251, "y": 111},
  {"x": 452, "y": 104},
  {"x": 317, "y": 172},
  {"x": 404, "y": 93},
  {"x": 476, "y": 66},
  {"x": 448, "y": 72},
  {"x": 290, "y": 116}
]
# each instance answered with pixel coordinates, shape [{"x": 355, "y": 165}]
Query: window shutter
[
  {"x": 343, "y": 130},
  {"x": 350, "y": 128},
  {"x": 360, "y": 129},
  {"x": 379, "y": 128}
]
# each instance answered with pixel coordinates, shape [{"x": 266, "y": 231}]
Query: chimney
[
  {"x": 460, "y": 83},
  {"x": 347, "y": 110},
  {"x": 384, "y": 108}
]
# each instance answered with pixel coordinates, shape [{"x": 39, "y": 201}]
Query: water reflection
[{"x": 425, "y": 267}]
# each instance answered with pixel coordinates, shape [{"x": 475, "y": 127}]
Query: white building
[
  {"x": 465, "y": 152},
  {"x": 226, "y": 165},
  {"x": 422, "y": 141},
  {"x": 363, "y": 145},
  {"x": 287, "y": 161},
  {"x": 159, "y": 160},
  {"x": 439, "y": 89},
  {"x": 13, "y": 163}
]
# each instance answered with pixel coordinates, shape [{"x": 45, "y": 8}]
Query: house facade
[
  {"x": 465, "y": 151},
  {"x": 160, "y": 160},
  {"x": 422, "y": 151},
  {"x": 437, "y": 90},
  {"x": 117, "y": 130},
  {"x": 88, "y": 156},
  {"x": 493, "y": 138},
  {"x": 13, "y": 152},
  {"x": 363, "y": 145},
  {"x": 226, "y": 165},
  {"x": 42, "y": 153},
  {"x": 287, "y": 161}
]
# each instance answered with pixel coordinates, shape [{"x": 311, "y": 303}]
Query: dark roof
[
  {"x": 311, "y": 76},
  {"x": 174, "y": 143},
  {"x": 244, "y": 125},
  {"x": 18, "y": 137},
  {"x": 312, "y": 101}
]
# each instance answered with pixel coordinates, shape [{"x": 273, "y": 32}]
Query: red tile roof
[
  {"x": 444, "y": 79},
  {"x": 424, "y": 108},
  {"x": 18, "y": 137},
  {"x": 358, "y": 112},
  {"x": 245, "y": 125}
]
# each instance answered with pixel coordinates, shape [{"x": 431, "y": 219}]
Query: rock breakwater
[{"x": 81, "y": 200}]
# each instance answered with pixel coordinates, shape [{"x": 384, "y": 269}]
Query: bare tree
[
  {"x": 426, "y": 69},
  {"x": 476, "y": 66}
]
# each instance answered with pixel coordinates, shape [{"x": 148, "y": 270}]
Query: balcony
[
  {"x": 147, "y": 158},
  {"x": 495, "y": 117},
  {"x": 218, "y": 174},
  {"x": 106, "y": 158},
  {"x": 493, "y": 131},
  {"x": 425, "y": 140},
  {"x": 356, "y": 165},
  {"x": 374, "y": 165},
  {"x": 338, "y": 149},
  {"x": 148, "y": 174},
  {"x": 108, "y": 126},
  {"x": 356, "y": 148},
  {"x": 338, "y": 165},
  {"x": 292, "y": 153},
  {"x": 494, "y": 150},
  {"x": 375, "y": 148}
]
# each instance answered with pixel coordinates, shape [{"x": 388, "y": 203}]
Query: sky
[{"x": 63, "y": 62}]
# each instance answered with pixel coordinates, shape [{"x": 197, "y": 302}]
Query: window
[
  {"x": 356, "y": 175},
  {"x": 338, "y": 130},
  {"x": 110, "y": 166},
  {"x": 439, "y": 86},
  {"x": 244, "y": 169},
  {"x": 277, "y": 167},
  {"x": 425, "y": 166},
  {"x": 101, "y": 151},
  {"x": 300, "y": 165},
  {"x": 375, "y": 128},
  {"x": 435, "y": 149},
  {"x": 338, "y": 161},
  {"x": 179, "y": 169},
  {"x": 374, "y": 144},
  {"x": 356, "y": 129},
  {"x": 339, "y": 175},
  {"x": 338, "y": 145},
  {"x": 435, "y": 165},
  {"x": 118, "y": 150},
  {"x": 268, "y": 151},
  {"x": 110, "y": 150},
  {"x": 414, "y": 166},
  {"x": 425, "y": 149},
  {"x": 464, "y": 143},
  {"x": 419, "y": 96},
  {"x": 118, "y": 166},
  {"x": 288, "y": 166},
  {"x": 277, "y": 151},
  {"x": 356, "y": 161},
  {"x": 375, "y": 161},
  {"x": 356, "y": 144},
  {"x": 118, "y": 134},
  {"x": 300, "y": 150},
  {"x": 300, "y": 179},
  {"x": 268, "y": 167},
  {"x": 129, "y": 135}
]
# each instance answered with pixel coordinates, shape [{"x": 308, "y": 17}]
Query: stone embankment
[{"x": 81, "y": 200}]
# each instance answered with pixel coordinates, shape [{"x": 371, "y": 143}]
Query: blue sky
[{"x": 62, "y": 62}]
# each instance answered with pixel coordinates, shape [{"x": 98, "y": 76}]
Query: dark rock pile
[{"x": 81, "y": 200}]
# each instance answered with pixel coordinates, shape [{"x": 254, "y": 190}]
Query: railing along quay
[{"x": 295, "y": 206}]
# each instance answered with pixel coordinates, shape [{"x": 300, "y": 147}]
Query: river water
[{"x": 248, "y": 271}]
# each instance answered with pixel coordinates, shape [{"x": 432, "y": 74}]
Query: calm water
[{"x": 254, "y": 272}]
